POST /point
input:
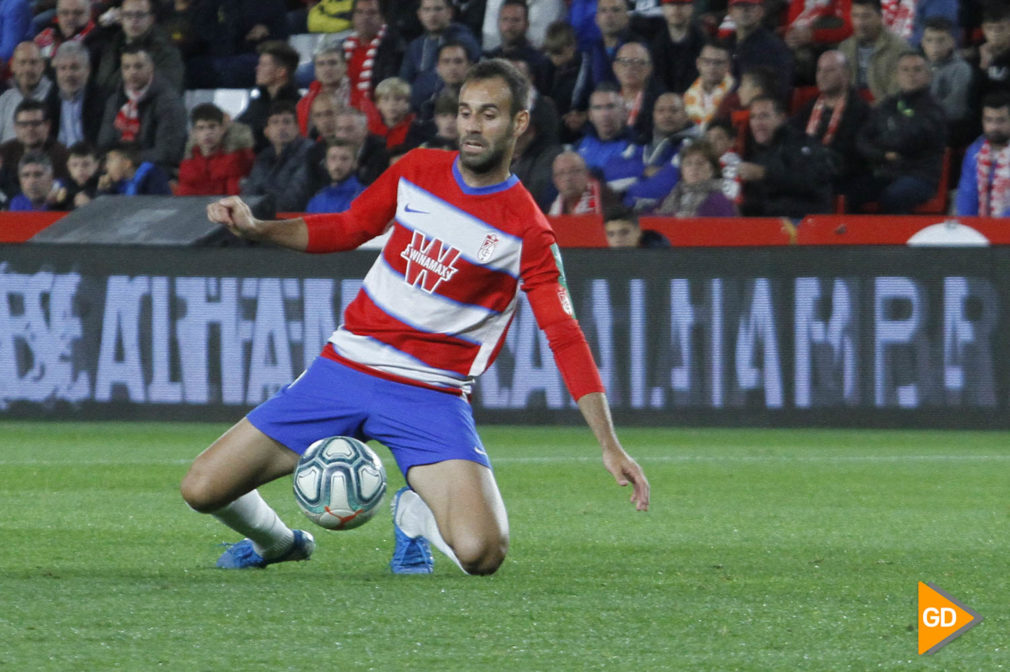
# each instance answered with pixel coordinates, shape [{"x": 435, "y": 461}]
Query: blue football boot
[
  {"x": 412, "y": 555},
  {"x": 243, "y": 556}
]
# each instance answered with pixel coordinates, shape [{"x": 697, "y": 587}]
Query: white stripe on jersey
[
  {"x": 420, "y": 210},
  {"x": 480, "y": 362},
  {"x": 377, "y": 355},
  {"x": 430, "y": 312}
]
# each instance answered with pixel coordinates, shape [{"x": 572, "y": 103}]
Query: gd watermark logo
[{"x": 942, "y": 619}]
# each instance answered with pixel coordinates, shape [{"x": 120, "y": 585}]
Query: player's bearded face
[{"x": 483, "y": 151}]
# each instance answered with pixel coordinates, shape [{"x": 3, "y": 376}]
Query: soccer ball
[{"x": 339, "y": 483}]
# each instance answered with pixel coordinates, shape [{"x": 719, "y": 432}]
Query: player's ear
[{"x": 520, "y": 122}]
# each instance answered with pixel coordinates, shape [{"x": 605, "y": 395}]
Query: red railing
[{"x": 587, "y": 230}]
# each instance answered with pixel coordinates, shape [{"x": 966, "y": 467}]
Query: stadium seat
[
  {"x": 306, "y": 43},
  {"x": 232, "y": 101},
  {"x": 937, "y": 205}
]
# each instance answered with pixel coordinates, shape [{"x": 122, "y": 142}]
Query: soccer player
[{"x": 431, "y": 316}]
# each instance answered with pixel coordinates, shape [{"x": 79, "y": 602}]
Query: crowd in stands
[{"x": 680, "y": 108}]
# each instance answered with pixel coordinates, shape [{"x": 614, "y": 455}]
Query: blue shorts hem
[{"x": 419, "y": 426}]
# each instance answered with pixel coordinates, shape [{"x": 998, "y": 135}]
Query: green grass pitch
[{"x": 764, "y": 550}]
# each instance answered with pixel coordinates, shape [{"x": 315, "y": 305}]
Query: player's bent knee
[
  {"x": 199, "y": 494},
  {"x": 481, "y": 556}
]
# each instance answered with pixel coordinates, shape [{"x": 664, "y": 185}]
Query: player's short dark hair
[
  {"x": 939, "y": 23},
  {"x": 872, "y": 4},
  {"x": 82, "y": 148},
  {"x": 279, "y": 107},
  {"x": 620, "y": 212},
  {"x": 206, "y": 112},
  {"x": 31, "y": 105},
  {"x": 996, "y": 99},
  {"x": 282, "y": 52},
  {"x": 517, "y": 84}
]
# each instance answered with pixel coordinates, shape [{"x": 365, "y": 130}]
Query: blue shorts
[{"x": 418, "y": 425}]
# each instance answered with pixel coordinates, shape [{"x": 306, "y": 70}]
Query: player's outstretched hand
[
  {"x": 234, "y": 213},
  {"x": 625, "y": 470}
]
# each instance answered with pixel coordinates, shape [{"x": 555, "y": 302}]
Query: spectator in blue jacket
[
  {"x": 15, "y": 25},
  {"x": 984, "y": 188},
  {"x": 614, "y": 22},
  {"x": 341, "y": 162},
  {"x": 38, "y": 187},
  {"x": 608, "y": 134},
  {"x": 659, "y": 157},
  {"x": 422, "y": 52},
  {"x": 126, "y": 174},
  {"x": 582, "y": 18}
]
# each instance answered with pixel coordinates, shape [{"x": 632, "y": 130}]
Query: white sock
[
  {"x": 416, "y": 520},
  {"x": 252, "y": 517}
]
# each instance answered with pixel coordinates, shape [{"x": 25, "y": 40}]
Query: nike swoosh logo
[
  {"x": 480, "y": 451},
  {"x": 407, "y": 208}
]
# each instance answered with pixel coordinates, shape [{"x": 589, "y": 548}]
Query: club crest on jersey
[
  {"x": 487, "y": 247},
  {"x": 430, "y": 262}
]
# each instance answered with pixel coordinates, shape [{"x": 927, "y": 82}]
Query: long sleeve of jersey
[
  {"x": 545, "y": 287},
  {"x": 369, "y": 215}
]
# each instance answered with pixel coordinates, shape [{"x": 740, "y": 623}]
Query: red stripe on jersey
[
  {"x": 329, "y": 353},
  {"x": 438, "y": 351}
]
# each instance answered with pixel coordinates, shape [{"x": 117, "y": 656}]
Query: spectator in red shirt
[
  {"x": 220, "y": 154},
  {"x": 392, "y": 97},
  {"x": 73, "y": 22},
  {"x": 331, "y": 80}
]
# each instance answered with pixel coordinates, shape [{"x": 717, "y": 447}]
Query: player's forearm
[
  {"x": 290, "y": 233},
  {"x": 596, "y": 412}
]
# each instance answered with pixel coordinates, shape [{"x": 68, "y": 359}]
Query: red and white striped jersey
[{"x": 434, "y": 308}]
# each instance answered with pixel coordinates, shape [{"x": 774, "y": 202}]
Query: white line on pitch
[{"x": 561, "y": 459}]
